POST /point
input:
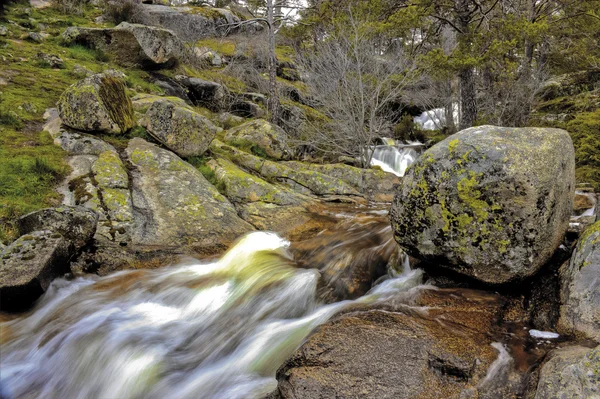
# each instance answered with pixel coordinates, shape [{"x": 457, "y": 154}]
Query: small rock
[
  {"x": 52, "y": 61},
  {"x": 3, "y": 31},
  {"x": 203, "y": 92},
  {"x": 34, "y": 37},
  {"x": 247, "y": 109},
  {"x": 81, "y": 71}
]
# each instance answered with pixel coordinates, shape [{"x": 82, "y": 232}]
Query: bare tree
[{"x": 355, "y": 81}]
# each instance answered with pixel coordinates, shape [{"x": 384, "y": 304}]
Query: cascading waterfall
[
  {"x": 393, "y": 159},
  {"x": 196, "y": 330}
]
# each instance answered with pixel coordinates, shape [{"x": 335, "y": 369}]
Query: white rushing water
[
  {"x": 435, "y": 119},
  {"x": 197, "y": 330},
  {"x": 392, "y": 159}
]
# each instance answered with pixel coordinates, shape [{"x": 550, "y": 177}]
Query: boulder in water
[
  {"x": 28, "y": 266},
  {"x": 180, "y": 129},
  {"x": 580, "y": 291},
  {"x": 262, "y": 136},
  {"x": 131, "y": 45},
  {"x": 488, "y": 202},
  {"x": 98, "y": 103},
  {"x": 570, "y": 373}
]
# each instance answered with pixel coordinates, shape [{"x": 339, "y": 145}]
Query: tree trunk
[
  {"x": 449, "y": 107},
  {"x": 468, "y": 99},
  {"x": 273, "y": 103}
]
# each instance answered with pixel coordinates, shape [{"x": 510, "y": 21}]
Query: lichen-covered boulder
[
  {"x": 131, "y": 45},
  {"x": 76, "y": 224},
  {"x": 262, "y": 136},
  {"x": 141, "y": 102},
  {"x": 211, "y": 95},
  {"x": 580, "y": 291},
  {"x": 240, "y": 186},
  {"x": 176, "y": 205},
  {"x": 488, "y": 202},
  {"x": 28, "y": 266},
  {"x": 180, "y": 129},
  {"x": 570, "y": 373},
  {"x": 98, "y": 103}
]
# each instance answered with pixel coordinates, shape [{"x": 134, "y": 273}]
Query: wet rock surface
[
  {"x": 436, "y": 346},
  {"x": 488, "y": 202}
]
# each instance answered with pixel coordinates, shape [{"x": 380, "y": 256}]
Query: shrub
[{"x": 71, "y": 6}]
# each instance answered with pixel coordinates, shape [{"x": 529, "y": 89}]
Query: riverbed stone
[
  {"x": 262, "y": 136},
  {"x": 28, "y": 266},
  {"x": 98, "y": 103},
  {"x": 180, "y": 129},
  {"x": 398, "y": 352},
  {"x": 489, "y": 202},
  {"x": 570, "y": 373},
  {"x": 580, "y": 291}
]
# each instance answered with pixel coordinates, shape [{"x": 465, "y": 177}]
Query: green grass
[
  {"x": 200, "y": 163},
  {"x": 222, "y": 46}
]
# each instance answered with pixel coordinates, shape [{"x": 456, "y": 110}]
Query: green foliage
[
  {"x": 585, "y": 132},
  {"x": 83, "y": 53},
  {"x": 200, "y": 163},
  {"x": 406, "y": 129}
]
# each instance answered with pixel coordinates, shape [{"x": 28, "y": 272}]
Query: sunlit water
[
  {"x": 392, "y": 159},
  {"x": 196, "y": 330}
]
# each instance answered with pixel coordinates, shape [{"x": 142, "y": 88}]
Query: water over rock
[
  {"x": 98, "y": 103},
  {"x": 260, "y": 135},
  {"x": 570, "y": 373},
  {"x": 180, "y": 129},
  {"x": 488, "y": 202},
  {"x": 131, "y": 45},
  {"x": 580, "y": 292}
]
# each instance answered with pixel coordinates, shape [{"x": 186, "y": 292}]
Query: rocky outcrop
[
  {"x": 260, "y": 136},
  {"x": 570, "y": 373},
  {"x": 374, "y": 184},
  {"x": 131, "y": 45},
  {"x": 302, "y": 181},
  {"x": 580, "y": 291},
  {"x": 180, "y": 129},
  {"x": 98, "y": 103},
  {"x": 194, "y": 23},
  {"x": 242, "y": 187},
  {"x": 76, "y": 224},
  {"x": 403, "y": 353},
  {"x": 177, "y": 206},
  {"x": 488, "y": 202}
]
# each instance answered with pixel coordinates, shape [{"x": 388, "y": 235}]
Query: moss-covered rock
[
  {"x": 98, "y": 103},
  {"x": 580, "y": 291},
  {"x": 131, "y": 45},
  {"x": 240, "y": 186},
  {"x": 260, "y": 136},
  {"x": 302, "y": 180},
  {"x": 489, "y": 202},
  {"x": 109, "y": 171},
  {"x": 180, "y": 129},
  {"x": 141, "y": 102},
  {"x": 176, "y": 205},
  {"x": 570, "y": 373}
]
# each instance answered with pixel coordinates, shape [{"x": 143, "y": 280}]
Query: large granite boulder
[
  {"x": 401, "y": 353},
  {"x": 489, "y": 202},
  {"x": 98, "y": 103},
  {"x": 262, "y": 136},
  {"x": 131, "y": 45},
  {"x": 76, "y": 224},
  {"x": 580, "y": 291},
  {"x": 176, "y": 205},
  {"x": 180, "y": 129},
  {"x": 570, "y": 373}
]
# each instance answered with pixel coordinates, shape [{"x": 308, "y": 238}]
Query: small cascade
[
  {"x": 435, "y": 119},
  {"x": 393, "y": 159},
  {"x": 593, "y": 200},
  {"x": 196, "y": 330}
]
